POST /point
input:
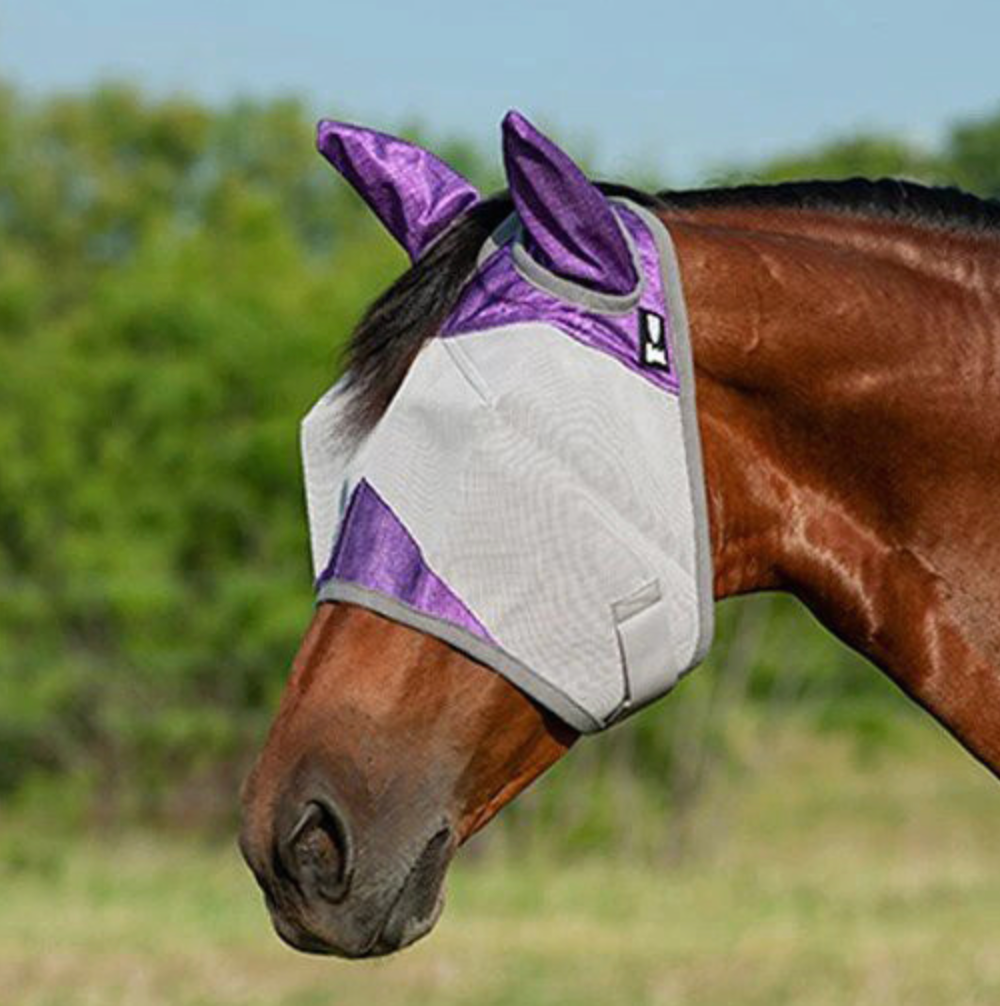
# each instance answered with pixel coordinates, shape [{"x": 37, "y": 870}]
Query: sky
[{"x": 676, "y": 90}]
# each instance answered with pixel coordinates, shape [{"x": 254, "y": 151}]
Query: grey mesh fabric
[{"x": 530, "y": 498}]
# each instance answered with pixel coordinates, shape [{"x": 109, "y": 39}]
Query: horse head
[{"x": 392, "y": 745}]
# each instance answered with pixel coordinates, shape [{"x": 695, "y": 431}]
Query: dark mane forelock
[{"x": 412, "y": 310}]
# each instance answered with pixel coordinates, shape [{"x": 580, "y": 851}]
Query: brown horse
[{"x": 846, "y": 341}]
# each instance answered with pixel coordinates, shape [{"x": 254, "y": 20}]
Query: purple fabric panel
[
  {"x": 415, "y": 194},
  {"x": 499, "y": 295},
  {"x": 375, "y": 550},
  {"x": 569, "y": 224}
]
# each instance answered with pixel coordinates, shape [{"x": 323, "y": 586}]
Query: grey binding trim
[
  {"x": 503, "y": 233},
  {"x": 522, "y": 677},
  {"x": 551, "y": 283},
  {"x": 670, "y": 270},
  {"x": 510, "y": 231}
]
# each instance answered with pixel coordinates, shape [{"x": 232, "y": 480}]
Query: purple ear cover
[
  {"x": 570, "y": 227},
  {"x": 415, "y": 194}
]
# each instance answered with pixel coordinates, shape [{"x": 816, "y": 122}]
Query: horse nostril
[{"x": 317, "y": 852}]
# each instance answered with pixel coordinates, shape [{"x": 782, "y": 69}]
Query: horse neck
[{"x": 848, "y": 379}]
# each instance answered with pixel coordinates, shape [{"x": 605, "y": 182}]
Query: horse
[{"x": 846, "y": 346}]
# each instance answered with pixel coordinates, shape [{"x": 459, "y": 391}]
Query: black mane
[
  {"x": 934, "y": 206},
  {"x": 396, "y": 325}
]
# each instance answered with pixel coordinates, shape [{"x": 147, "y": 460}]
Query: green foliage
[
  {"x": 175, "y": 284},
  {"x": 974, "y": 149},
  {"x": 868, "y": 155},
  {"x": 174, "y": 289}
]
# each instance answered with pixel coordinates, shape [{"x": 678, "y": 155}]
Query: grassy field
[{"x": 819, "y": 877}]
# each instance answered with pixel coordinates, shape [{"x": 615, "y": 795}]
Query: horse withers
[{"x": 846, "y": 368}]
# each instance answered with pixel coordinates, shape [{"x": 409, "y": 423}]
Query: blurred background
[{"x": 178, "y": 269}]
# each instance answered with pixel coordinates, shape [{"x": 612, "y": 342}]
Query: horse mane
[
  {"x": 392, "y": 330},
  {"x": 943, "y": 207}
]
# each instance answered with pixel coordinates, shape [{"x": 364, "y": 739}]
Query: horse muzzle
[{"x": 329, "y": 893}]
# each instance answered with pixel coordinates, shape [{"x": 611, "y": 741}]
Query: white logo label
[{"x": 654, "y": 343}]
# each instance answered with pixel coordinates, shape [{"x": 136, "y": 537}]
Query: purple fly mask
[{"x": 533, "y": 494}]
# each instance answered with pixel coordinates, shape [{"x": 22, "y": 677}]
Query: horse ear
[
  {"x": 415, "y": 194},
  {"x": 570, "y": 227}
]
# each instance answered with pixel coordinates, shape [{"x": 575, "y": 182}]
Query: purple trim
[
  {"x": 570, "y": 228},
  {"x": 375, "y": 550},
  {"x": 415, "y": 194},
  {"x": 499, "y": 295}
]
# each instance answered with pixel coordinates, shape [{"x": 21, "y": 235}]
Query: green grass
[{"x": 818, "y": 878}]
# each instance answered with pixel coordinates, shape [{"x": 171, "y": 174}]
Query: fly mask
[{"x": 533, "y": 494}]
